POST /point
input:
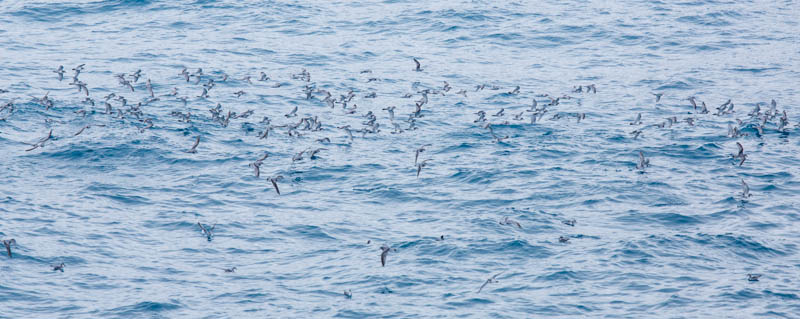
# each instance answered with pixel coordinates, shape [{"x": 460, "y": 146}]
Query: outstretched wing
[{"x": 274, "y": 184}]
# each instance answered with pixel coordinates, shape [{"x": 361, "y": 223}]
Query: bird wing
[
  {"x": 274, "y": 184},
  {"x": 202, "y": 228},
  {"x": 484, "y": 285},
  {"x": 383, "y": 257}
]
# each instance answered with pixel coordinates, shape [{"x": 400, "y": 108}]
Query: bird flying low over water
[
  {"x": 491, "y": 280},
  {"x": 745, "y": 190},
  {"x": 385, "y": 252},
  {"x": 421, "y": 165},
  {"x": 8, "y": 243},
  {"x": 643, "y": 162},
  {"x": 510, "y": 222},
  {"x": 194, "y": 147},
  {"x": 274, "y": 181},
  {"x": 740, "y": 155},
  {"x": 419, "y": 150},
  {"x": 207, "y": 231},
  {"x": 418, "y": 68}
]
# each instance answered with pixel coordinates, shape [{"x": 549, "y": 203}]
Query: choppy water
[{"x": 118, "y": 204}]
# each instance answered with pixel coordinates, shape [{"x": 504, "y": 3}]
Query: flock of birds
[{"x": 117, "y": 106}]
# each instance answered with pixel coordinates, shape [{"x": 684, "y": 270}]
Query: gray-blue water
[{"x": 119, "y": 203}]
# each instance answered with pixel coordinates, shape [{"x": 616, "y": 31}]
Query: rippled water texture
[{"x": 119, "y": 203}]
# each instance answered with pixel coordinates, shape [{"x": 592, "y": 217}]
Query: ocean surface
[{"x": 120, "y": 202}]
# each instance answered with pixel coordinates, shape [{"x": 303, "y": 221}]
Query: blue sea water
[{"x": 119, "y": 203}]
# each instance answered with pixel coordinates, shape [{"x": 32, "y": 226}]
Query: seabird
[
  {"x": 421, "y": 165},
  {"x": 60, "y": 72},
  {"x": 390, "y": 109},
  {"x": 232, "y": 269},
  {"x": 562, "y": 239},
  {"x": 385, "y": 251},
  {"x": 81, "y": 131},
  {"x": 194, "y": 147},
  {"x": 8, "y": 243},
  {"x": 257, "y": 165},
  {"x": 745, "y": 189},
  {"x": 58, "y": 267},
  {"x": 298, "y": 156},
  {"x": 274, "y": 181},
  {"x": 694, "y": 103},
  {"x": 491, "y": 280},
  {"x": 207, "y": 231},
  {"x": 348, "y": 294},
  {"x": 136, "y": 75},
  {"x": 753, "y": 277},
  {"x": 741, "y": 153},
  {"x": 418, "y": 65},
  {"x": 533, "y": 105},
  {"x": 419, "y": 150},
  {"x": 312, "y": 154},
  {"x": 658, "y": 96},
  {"x": 150, "y": 88},
  {"x": 41, "y": 141},
  {"x": 570, "y": 222},
  {"x": 293, "y": 113},
  {"x": 643, "y": 162},
  {"x": 510, "y": 222},
  {"x": 638, "y": 119}
]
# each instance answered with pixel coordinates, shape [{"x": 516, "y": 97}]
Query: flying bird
[
  {"x": 421, "y": 165},
  {"x": 741, "y": 155},
  {"x": 385, "y": 252},
  {"x": 643, "y": 162},
  {"x": 274, "y": 181},
  {"x": 419, "y": 150},
  {"x": 207, "y": 231},
  {"x": 745, "y": 189},
  {"x": 510, "y": 222},
  {"x": 658, "y": 96},
  {"x": 491, "y": 280},
  {"x": 194, "y": 147},
  {"x": 8, "y": 243}
]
